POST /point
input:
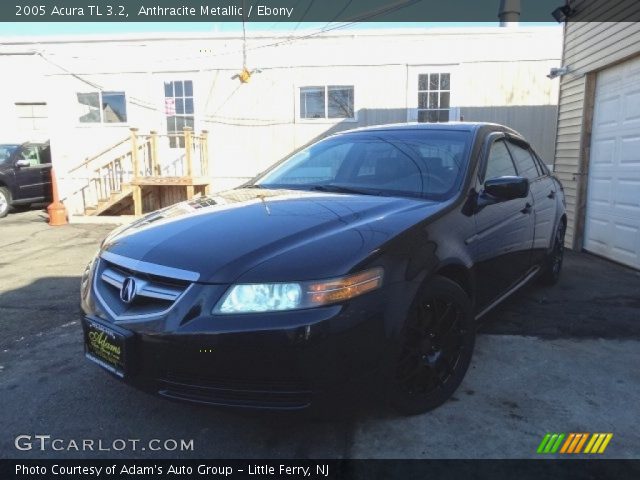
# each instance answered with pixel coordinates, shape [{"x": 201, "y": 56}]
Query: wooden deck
[
  {"x": 131, "y": 178},
  {"x": 153, "y": 193}
]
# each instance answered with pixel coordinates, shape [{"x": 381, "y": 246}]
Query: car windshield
[
  {"x": 6, "y": 151},
  {"x": 417, "y": 163}
]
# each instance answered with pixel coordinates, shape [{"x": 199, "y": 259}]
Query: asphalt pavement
[{"x": 551, "y": 359}]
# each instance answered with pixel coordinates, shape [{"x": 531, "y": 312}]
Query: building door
[{"x": 612, "y": 220}]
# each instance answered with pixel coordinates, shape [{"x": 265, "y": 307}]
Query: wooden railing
[{"x": 111, "y": 172}]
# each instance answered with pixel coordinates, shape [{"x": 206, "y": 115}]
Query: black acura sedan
[{"x": 369, "y": 257}]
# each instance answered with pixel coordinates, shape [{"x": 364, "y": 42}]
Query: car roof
[
  {"x": 450, "y": 126},
  {"x": 19, "y": 144}
]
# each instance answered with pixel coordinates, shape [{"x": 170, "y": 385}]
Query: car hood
[{"x": 268, "y": 235}]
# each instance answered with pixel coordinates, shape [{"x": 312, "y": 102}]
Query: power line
[
  {"x": 389, "y": 9},
  {"x": 304, "y": 15},
  {"x": 361, "y": 18},
  {"x": 349, "y": 2}
]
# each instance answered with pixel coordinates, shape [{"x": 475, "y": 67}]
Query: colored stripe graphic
[
  {"x": 598, "y": 442},
  {"x": 576, "y": 439},
  {"x": 570, "y": 438},
  {"x": 594, "y": 437},
  {"x": 543, "y": 443},
  {"x": 556, "y": 446},
  {"x": 581, "y": 443},
  {"x": 574, "y": 443},
  {"x": 551, "y": 443}
]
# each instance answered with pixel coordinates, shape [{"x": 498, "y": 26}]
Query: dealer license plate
[{"x": 107, "y": 345}]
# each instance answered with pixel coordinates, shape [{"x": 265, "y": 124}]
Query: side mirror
[
  {"x": 506, "y": 188},
  {"x": 23, "y": 163}
]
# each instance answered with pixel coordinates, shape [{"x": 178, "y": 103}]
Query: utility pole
[{"x": 509, "y": 13}]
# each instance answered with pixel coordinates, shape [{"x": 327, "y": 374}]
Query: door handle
[
  {"x": 527, "y": 209},
  {"x": 551, "y": 195}
]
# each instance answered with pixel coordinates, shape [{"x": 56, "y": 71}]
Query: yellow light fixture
[{"x": 244, "y": 75}]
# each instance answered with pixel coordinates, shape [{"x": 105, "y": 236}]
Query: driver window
[
  {"x": 499, "y": 163},
  {"x": 31, "y": 154}
]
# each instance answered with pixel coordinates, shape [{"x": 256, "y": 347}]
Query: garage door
[{"x": 612, "y": 226}]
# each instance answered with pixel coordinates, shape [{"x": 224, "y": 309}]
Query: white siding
[{"x": 588, "y": 48}]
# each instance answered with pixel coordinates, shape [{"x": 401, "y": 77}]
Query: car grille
[
  {"x": 271, "y": 394},
  {"x": 154, "y": 294}
]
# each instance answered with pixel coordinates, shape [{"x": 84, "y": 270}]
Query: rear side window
[
  {"x": 541, "y": 166},
  {"x": 525, "y": 163},
  {"x": 499, "y": 163}
]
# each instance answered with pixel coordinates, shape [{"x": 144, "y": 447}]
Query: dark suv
[{"x": 25, "y": 175}]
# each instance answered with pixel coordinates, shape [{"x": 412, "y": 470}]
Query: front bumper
[{"x": 282, "y": 360}]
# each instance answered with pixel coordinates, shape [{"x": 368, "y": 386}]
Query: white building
[{"x": 85, "y": 93}]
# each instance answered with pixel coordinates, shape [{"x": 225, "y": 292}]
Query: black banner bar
[
  {"x": 320, "y": 469},
  {"x": 307, "y": 10}
]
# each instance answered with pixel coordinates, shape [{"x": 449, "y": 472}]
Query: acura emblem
[{"x": 128, "y": 290}]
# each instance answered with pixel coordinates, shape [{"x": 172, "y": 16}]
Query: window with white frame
[
  {"x": 434, "y": 97},
  {"x": 32, "y": 115},
  {"x": 179, "y": 109},
  {"x": 327, "y": 102},
  {"x": 102, "y": 107}
]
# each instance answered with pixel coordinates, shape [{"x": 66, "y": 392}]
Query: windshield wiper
[{"x": 333, "y": 188}]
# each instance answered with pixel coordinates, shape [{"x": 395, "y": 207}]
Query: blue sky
[{"x": 81, "y": 28}]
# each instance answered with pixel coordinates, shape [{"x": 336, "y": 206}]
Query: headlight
[{"x": 272, "y": 297}]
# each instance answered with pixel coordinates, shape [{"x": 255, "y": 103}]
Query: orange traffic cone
[{"x": 57, "y": 211}]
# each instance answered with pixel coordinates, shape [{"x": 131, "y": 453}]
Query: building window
[
  {"x": 178, "y": 103},
  {"x": 434, "y": 95},
  {"x": 327, "y": 102},
  {"x": 102, "y": 107},
  {"x": 31, "y": 116}
]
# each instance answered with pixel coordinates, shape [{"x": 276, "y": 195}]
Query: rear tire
[
  {"x": 434, "y": 349},
  {"x": 5, "y": 202},
  {"x": 553, "y": 264}
]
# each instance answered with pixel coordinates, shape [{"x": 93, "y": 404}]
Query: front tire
[
  {"x": 434, "y": 349},
  {"x": 5, "y": 202}
]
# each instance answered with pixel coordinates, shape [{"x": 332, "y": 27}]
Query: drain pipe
[{"x": 509, "y": 13}]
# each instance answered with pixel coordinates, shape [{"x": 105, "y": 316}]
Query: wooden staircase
[
  {"x": 115, "y": 198},
  {"x": 130, "y": 178}
]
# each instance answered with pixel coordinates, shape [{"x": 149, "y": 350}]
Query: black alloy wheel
[{"x": 435, "y": 348}]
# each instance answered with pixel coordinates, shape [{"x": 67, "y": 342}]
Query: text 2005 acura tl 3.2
[{"x": 368, "y": 255}]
